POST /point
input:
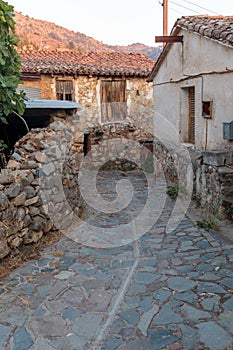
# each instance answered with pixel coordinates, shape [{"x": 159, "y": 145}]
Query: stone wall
[
  {"x": 125, "y": 144},
  {"x": 214, "y": 188},
  {"x": 212, "y": 183},
  {"x": 40, "y": 176},
  {"x": 177, "y": 161}
]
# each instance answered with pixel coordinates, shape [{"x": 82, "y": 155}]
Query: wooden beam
[{"x": 169, "y": 39}]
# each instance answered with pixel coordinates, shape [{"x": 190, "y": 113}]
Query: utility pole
[
  {"x": 165, "y": 19},
  {"x": 167, "y": 38}
]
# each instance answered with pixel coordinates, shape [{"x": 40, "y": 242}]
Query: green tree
[{"x": 10, "y": 65}]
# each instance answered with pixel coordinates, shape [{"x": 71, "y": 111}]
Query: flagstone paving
[{"x": 164, "y": 291}]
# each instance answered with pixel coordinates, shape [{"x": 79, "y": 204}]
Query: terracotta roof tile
[
  {"x": 219, "y": 28},
  {"x": 91, "y": 63}
]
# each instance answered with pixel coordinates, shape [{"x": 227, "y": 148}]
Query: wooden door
[
  {"x": 113, "y": 100},
  {"x": 191, "y": 117}
]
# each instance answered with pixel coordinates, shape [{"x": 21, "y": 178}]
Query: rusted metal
[{"x": 169, "y": 39}]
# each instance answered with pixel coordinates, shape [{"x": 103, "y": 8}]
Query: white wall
[{"x": 179, "y": 70}]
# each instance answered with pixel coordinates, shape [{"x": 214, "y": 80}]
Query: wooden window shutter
[
  {"x": 64, "y": 89},
  {"x": 68, "y": 87},
  {"x": 113, "y": 100},
  {"x": 191, "y": 116}
]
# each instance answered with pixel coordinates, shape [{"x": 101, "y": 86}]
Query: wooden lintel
[{"x": 169, "y": 39}]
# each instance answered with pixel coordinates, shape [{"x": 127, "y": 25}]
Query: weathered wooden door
[{"x": 113, "y": 100}]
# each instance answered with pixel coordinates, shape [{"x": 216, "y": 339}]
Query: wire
[
  {"x": 187, "y": 8},
  {"x": 203, "y": 8},
  {"x": 180, "y": 13}
]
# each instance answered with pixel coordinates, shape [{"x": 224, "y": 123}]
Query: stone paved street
[{"x": 164, "y": 291}]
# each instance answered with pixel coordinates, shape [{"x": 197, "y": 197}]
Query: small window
[
  {"x": 207, "y": 109},
  {"x": 64, "y": 90}
]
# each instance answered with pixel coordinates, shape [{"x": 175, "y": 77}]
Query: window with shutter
[
  {"x": 64, "y": 90},
  {"x": 191, "y": 114}
]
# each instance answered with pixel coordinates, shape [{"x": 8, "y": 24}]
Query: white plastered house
[{"x": 193, "y": 84}]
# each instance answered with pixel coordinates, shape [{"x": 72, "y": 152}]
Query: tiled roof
[
  {"x": 92, "y": 63},
  {"x": 218, "y": 28}
]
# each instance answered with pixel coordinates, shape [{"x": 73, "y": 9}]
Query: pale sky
[{"x": 119, "y": 22}]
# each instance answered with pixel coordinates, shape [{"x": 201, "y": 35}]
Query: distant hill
[
  {"x": 152, "y": 52},
  {"x": 42, "y": 35}
]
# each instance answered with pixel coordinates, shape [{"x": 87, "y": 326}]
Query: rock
[
  {"x": 32, "y": 237},
  {"x": 13, "y": 190},
  {"x": 194, "y": 314},
  {"x": 27, "y": 220},
  {"x": 48, "y": 169},
  {"x": 37, "y": 223},
  {"x": 4, "y": 248},
  {"x": 131, "y": 316},
  {"x": 48, "y": 226},
  {"x": 6, "y": 180},
  {"x": 13, "y": 164},
  {"x": 31, "y": 201},
  {"x": 213, "y": 336},
  {"x": 167, "y": 316},
  {"x": 22, "y": 339},
  {"x": 57, "y": 126},
  {"x": 23, "y": 232},
  {"x": 140, "y": 344},
  {"x": 180, "y": 284},
  {"x": 19, "y": 200},
  {"x": 33, "y": 211},
  {"x": 162, "y": 338},
  {"x": 3, "y": 200},
  {"x": 14, "y": 241},
  {"x": 80, "y": 326},
  {"x": 16, "y": 156},
  {"x": 29, "y": 147},
  {"x": 146, "y": 319},
  {"x": 20, "y": 215},
  {"x": 41, "y": 157},
  {"x": 30, "y": 164},
  {"x": 30, "y": 191},
  {"x": 27, "y": 179}
]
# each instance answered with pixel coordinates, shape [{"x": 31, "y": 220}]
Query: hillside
[
  {"x": 152, "y": 52},
  {"x": 42, "y": 35}
]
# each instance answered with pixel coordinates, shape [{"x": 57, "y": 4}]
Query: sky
[{"x": 119, "y": 22}]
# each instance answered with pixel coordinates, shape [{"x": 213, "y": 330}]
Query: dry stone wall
[
  {"x": 214, "y": 187},
  {"x": 39, "y": 178}
]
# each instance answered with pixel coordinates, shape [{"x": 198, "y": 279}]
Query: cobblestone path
[{"x": 164, "y": 291}]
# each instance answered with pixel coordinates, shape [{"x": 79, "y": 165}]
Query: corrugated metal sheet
[
  {"x": 52, "y": 104},
  {"x": 31, "y": 92}
]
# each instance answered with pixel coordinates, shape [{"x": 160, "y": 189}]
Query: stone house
[
  {"x": 192, "y": 82},
  {"x": 109, "y": 81}
]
